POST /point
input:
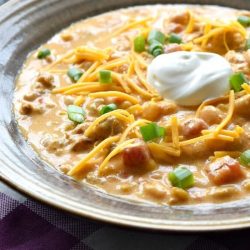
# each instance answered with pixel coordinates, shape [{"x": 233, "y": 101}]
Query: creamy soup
[{"x": 113, "y": 101}]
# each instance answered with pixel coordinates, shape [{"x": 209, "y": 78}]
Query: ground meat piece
[
  {"x": 95, "y": 106},
  {"x": 80, "y": 143},
  {"x": 193, "y": 127},
  {"x": 238, "y": 61},
  {"x": 136, "y": 156},
  {"x": 46, "y": 80},
  {"x": 236, "y": 41},
  {"x": 80, "y": 128},
  {"x": 53, "y": 145},
  {"x": 170, "y": 48},
  {"x": 246, "y": 128},
  {"x": 28, "y": 108},
  {"x": 247, "y": 56},
  {"x": 224, "y": 170},
  {"x": 122, "y": 43},
  {"x": 109, "y": 127},
  {"x": 31, "y": 96},
  {"x": 242, "y": 106},
  {"x": 211, "y": 115}
]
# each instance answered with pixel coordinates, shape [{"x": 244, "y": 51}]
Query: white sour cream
[{"x": 189, "y": 78}]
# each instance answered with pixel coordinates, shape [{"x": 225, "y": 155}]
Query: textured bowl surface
[{"x": 24, "y": 25}]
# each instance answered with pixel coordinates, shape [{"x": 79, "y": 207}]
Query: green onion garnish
[
  {"x": 152, "y": 131},
  {"x": 105, "y": 76},
  {"x": 108, "y": 108},
  {"x": 155, "y": 48},
  {"x": 244, "y": 20},
  {"x": 74, "y": 74},
  {"x": 43, "y": 53},
  {"x": 248, "y": 44},
  {"x": 75, "y": 113},
  {"x": 181, "y": 177},
  {"x": 245, "y": 158},
  {"x": 156, "y": 35},
  {"x": 236, "y": 80},
  {"x": 139, "y": 44},
  {"x": 174, "y": 38}
]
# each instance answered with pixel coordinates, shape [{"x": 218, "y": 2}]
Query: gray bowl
[{"x": 24, "y": 25}]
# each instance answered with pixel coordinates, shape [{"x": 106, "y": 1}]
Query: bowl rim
[{"x": 105, "y": 216}]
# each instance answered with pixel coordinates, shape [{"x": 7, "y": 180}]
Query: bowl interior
[{"x": 24, "y": 25}]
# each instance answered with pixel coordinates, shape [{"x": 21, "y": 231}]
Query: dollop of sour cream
[{"x": 189, "y": 78}]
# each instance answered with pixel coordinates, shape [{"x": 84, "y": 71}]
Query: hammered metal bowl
[{"x": 24, "y": 25}]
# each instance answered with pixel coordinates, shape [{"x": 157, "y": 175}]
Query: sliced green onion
[
  {"x": 108, "y": 108},
  {"x": 74, "y": 74},
  {"x": 156, "y": 48},
  {"x": 174, "y": 38},
  {"x": 75, "y": 113},
  {"x": 156, "y": 35},
  {"x": 139, "y": 44},
  {"x": 248, "y": 44},
  {"x": 75, "y": 109},
  {"x": 105, "y": 76},
  {"x": 43, "y": 53},
  {"x": 181, "y": 177},
  {"x": 244, "y": 20},
  {"x": 245, "y": 158},
  {"x": 75, "y": 117},
  {"x": 236, "y": 80},
  {"x": 152, "y": 131}
]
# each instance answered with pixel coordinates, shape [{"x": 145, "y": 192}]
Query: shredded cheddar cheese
[
  {"x": 120, "y": 114},
  {"x": 191, "y": 23},
  {"x": 140, "y": 122},
  {"x": 79, "y": 100},
  {"x": 164, "y": 148},
  {"x": 175, "y": 132},
  {"x": 132, "y": 25},
  {"x": 91, "y": 88},
  {"x": 89, "y": 71},
  {"x": 138, "y": 89},
  {"x": 107, "y": 66},
  {"x": 219, "y": 29},
  {"x": 135, "y": 108},
  {"x": 117, "y": 94},
  {"x": 106, "y": 143},
  {"x": 219, "y": 154},
  {"x": 229, "y": 114},
  {"x": 91, "y": 54},
  {"x": 129, "y": 83},
  {"x": 246, "y": 87}
]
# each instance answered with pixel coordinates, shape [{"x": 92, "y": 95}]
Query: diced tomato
[
  {"x": 193, "y": 127},
  {"x": 225, "y": 170},
  {"x": 138, "y": 155}
]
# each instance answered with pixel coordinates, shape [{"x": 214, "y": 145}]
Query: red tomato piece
[{"x": 225, "y": 170}]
